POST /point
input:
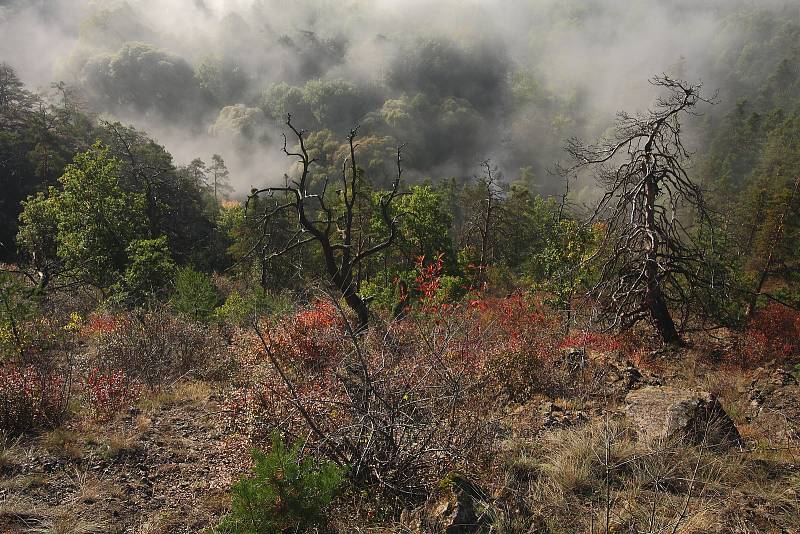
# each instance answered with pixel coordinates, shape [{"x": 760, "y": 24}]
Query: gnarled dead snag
[{"x": 650, "y": 258}]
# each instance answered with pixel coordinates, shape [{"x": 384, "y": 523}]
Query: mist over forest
[{"x": 458, "y": 81}]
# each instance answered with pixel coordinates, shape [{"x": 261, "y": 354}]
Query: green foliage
[
  {"x": 425, "y": 225},
  {"x": 240, "y": 310},
  {"x": 16, "y": 307},
  {"x": 96, "y": 218},
  {"x": 143, "y": 78},
  {"x": 559, "y": 268},
  {"x": 93, "y": 217},
  {"x": 150, "y": 270},
  {"x": 224, "y": 80},
  {"x": 284, "y": 493},
  {"x": 195, "y": 294}
]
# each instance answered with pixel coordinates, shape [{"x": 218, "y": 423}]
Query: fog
[{"x": 460, "y": 80}]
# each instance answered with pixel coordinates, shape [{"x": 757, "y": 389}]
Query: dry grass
[
  {"x": 63, "y": 442},
  {"x": 209, "y": 509},
  {"x": 116, "y": 445},
  {"x": 11, "y": 454},
  {"x": 180, "y": 393},
  {"x": 23, "y": 483},
  {"x": 20, "y": 513},
  {"x": 600, "y": 479}
]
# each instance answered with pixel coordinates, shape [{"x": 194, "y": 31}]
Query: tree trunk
[
  {"x": 659, "y": 313},
  {"x": 357, "y": 304},
  {"x": 654, "y": 298},
  {"x": 762, "y": 278}
]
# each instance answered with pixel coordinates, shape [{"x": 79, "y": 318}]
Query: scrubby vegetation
[{"x": 368, "y": 343}]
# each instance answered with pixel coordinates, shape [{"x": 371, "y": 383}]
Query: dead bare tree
[
  {"x": 331, "y": 228},
  {"x": 485, "y": 216},
  {"x": 650, "y": 258}
]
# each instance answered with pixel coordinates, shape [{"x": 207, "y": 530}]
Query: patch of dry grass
[
  {"x": 11, "y": 453},
  {"x": 116, "y": 445},
  {"x": 599, "y": 478},
  {"x": 180, "y": 393},
  {"x": 63, "y": 442},
  {"x": 18, "y": 512}
]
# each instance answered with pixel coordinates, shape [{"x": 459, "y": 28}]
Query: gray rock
[
  {"x": 461, "y": 509},
  {"x": 664, "y": 414}
]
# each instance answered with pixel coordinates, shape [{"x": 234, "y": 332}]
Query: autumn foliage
[
  {"x": 311, "y": 338},
  {"x": 773, "y": 334},
  {"x": 110, "y": 392},
  {"x": 31, "y": 398}
]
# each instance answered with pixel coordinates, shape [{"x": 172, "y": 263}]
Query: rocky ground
[{"x": 166, "y": 465}]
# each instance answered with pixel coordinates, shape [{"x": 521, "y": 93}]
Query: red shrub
[
  {"x": 592, "y": 341},
  {"x": 519, "y": 341},
  {"x": 30, "y": 398},
  {"x": 108, "y": 393},
  {"x": 773, "y": 334},
  {"x": 312, "y": 338},
  {"x": 429, "y": 280},
  {"x": 99, "y": 324}
]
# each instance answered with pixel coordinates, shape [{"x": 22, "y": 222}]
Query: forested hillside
[{"x": 440, "y": 267}]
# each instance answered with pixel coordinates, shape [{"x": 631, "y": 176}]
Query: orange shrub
[{"x": 312, "y": 338}]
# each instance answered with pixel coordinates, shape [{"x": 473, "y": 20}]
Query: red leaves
[
  {"x": 428, "y": 282},
  {"x": 312, "y": 338},
  {"x": 773, "y": 334},
  {"x": 30, "y": 398},
  {"x": 100, "y": 324},
  {"x": 592, "y": 341},
  {"x": 110, "y": 392}
]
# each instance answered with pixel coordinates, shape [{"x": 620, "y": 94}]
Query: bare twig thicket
[{"x": 400, "y": 407}]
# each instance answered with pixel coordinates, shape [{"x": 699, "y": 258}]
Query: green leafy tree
[
  {"x": 559, "y": 267},
  {"x": 149, "y": 272},
  {"x": 94, "y": 218},
  {"x": 97, "y": 219},
  {"x": 224, "y": 80},
  {"x": 16, "y": 307},
  {"x": 176, "y": 200},
  {"x": 38, "y": 238},
  {"x": 425, "y": 226}
]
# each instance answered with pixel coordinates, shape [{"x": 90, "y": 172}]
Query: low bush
[
  {"x": 773, "y": 334},
  {"x": 154, "y": 346},
  {"x": 32, "y": 398},
  {"x": 312, "y": 338},
  {"x": 421, "y": 386},
  {"x": 149, "y": 272},
  {"x": 284, "y": 493},
  {"x": 109, "y": 393},
  {"x": 195, "y": 294},
  {"x": 240, "y": 309}
]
